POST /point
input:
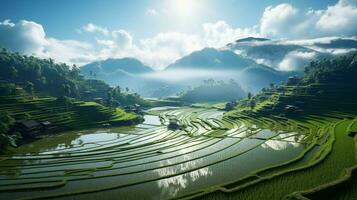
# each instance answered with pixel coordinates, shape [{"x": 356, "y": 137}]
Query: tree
[
  {"x": 271, "y": 85},
  {"x": 66, "y": 90},
  {"x": 13, "y": 72},
  {"x": 117, "y": 90},
  {"x": 74, "y": 71},
  {"x": 252, "y": 104},
  {"x": 249, "y": 95},
  {"x": 30, "y": 88}
]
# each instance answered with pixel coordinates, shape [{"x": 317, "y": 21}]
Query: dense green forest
[
  {"x": 42, "y": 90},
  {"x": 327, "y": 84},
  {"x": 44, "y": 76},
  {"x": 213, "y": 91}
]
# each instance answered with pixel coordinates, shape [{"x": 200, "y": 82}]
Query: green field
[
  {"x": 62, "y": 114},
  {"x": 213, "y": 156}
]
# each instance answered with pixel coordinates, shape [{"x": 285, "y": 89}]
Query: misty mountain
[
  {"x": 125, "y": 72},
  {"x": 212, "y": 59},
  {"x": 339, "y": 43},
  {"x": 126, "y": 65},
  {"x": 252, "y": 39},
  {"x": 271, "y": 53},
  {"x": 253, "y": 62},
  {"x": 249, "y": 74},
  {"x": 290, "y": 55}
]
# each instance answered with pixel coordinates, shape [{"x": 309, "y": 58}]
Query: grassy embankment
[
  {"x": 328, "y": 172},
  {"x": 64, "y": 115},
  {"x": 332, "y": 173}
]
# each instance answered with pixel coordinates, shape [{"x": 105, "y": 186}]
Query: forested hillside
[
  {"x": 40, "y": 90},
  {"x": 46, "y": 77},
  {"x": 328, "y": 84},
  {"x": 212, "y": 91}
]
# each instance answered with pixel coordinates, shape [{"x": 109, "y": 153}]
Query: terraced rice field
[{"x": 212, "y": 153}]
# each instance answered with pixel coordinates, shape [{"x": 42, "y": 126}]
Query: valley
[{"x": 217, "y": 153}]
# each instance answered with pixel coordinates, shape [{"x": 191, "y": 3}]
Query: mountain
[
  {"x": 225, "y": 64},
  {"x": 212, "y": 59},
  {"x": 126, "y": 65},
  {"x": 252, "y": 39},
  {"x": 46, "y": 77},
  {"x": 290, "y": 55},
  {"x": 125, "y": 72},
  {"x": 253, "y": 62},
  {"x": 326, "y": 85},
  {"x": 272, "y": 53},
  {"x": 259, "y": 76},
  {"x": 338, "y": 43}
]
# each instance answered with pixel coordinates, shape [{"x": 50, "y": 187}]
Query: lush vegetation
[
  {"x": 44, "y": 76},
  {"x": 40, "y": 89},
  {"x": 64, "y": 114},
  {"x": 266, "y": 147},
  {"x": 324, "y": 101},
  {"x": 326, "y": 85},
  {"x": 213, "y": 91}
]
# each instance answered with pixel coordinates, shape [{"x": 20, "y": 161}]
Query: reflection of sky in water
[
  {"x": 171, "y": 186},
  {"x": 95, "y": 137},
  {"x": 152, "y": 119},
  {"x": 81, "y": 140},
  {"x": 162, "y": 108},
  {"x": 279, "y": 145}
]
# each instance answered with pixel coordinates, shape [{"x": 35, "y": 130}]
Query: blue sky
[
  {"x": 158, "y": 32},
  {"x": 61, "y": 18}
]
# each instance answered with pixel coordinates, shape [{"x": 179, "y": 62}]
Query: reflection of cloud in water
[
  {"x": 279, "y": 145},
  {"x": 171, "y": 186}
]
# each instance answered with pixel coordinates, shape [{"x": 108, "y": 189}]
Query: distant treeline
[
  {"x": 214, "y": 91},
  {"x": 46, "y": 77}
]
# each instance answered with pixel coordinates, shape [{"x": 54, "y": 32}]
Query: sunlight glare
[{"x": 184, "y": 7}]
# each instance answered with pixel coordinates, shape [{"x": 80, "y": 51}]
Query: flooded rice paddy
[{"x": 147, "y": 161}]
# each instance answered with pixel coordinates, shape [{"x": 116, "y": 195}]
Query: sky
[{"x": 158, "y": 32}]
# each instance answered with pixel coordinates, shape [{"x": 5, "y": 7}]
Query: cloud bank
[
  {"x": 286, "y": 21},
  {"x": 277, "y": 22}
]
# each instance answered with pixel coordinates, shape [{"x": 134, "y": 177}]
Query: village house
[
  {"x": 230, "y": 105},
  {"x": 173, "y": 124},
  {"x": 293, "y": 80},
  {"x": 32, "y": 128}
]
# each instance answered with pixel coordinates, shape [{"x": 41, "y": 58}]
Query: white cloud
[
  {"x": 165, "y": 48},
  {"x": 68, "y": 51},
  {"x": 286, "y": 21},
  {"x": 339, "y": 19},
  {"x": 220, "y": 33},
  {"x": 24, "y": 36},
  {"x": 30, "y": 38},
  {"x": 92, "y": 28},
  {"x": 278, "y": 18},
  {"x": 152, "y": 12},
  {"x": 295, "y": 60},
  {"x": 280, "y": 21},
  {"x": 122, "y": 38}
]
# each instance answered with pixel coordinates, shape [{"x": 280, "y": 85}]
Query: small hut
[
  {"x": 98, "y": 100},
  {"x": 173, "y": 124},
  {"x": 293, "y": 80},
  {"x": 230, "y": 105},
  {"x": 29, "y": 128}
]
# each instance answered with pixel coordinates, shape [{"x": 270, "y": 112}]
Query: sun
[{"x": 184, "y": 7}]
